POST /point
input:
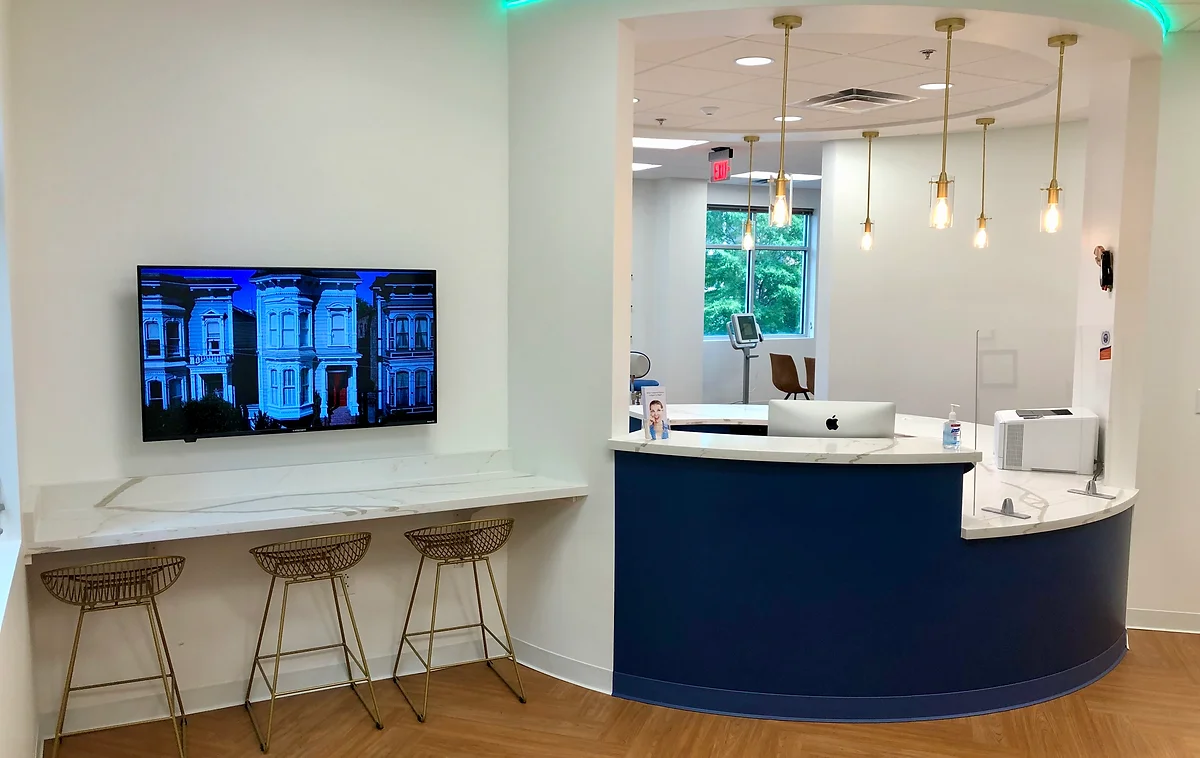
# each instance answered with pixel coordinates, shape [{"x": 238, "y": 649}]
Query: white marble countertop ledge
[
  {"x": 86, "y": 515},
  {"x": 900, "y": 450}
]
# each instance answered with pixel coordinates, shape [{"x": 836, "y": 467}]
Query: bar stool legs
[
  {"x": 307, "y": 561},
  {"x": 109, "y": 586},
  {"x": 457, "y": 544}
]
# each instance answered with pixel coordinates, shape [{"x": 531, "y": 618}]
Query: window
[
  {"x": 402, "y": 333},
  {"x": 337, "y": 328},
  {"x": 772, "y": 280},
  {"x": 273, "y": 329},
  {"x": 212, "y": 335},
  {"x": 305, "y": 386},
  {"x": 305, "y": 329},
  {"x": 422, "y": 385},
  {"x": 155, "y": 392},
  {"x": 153, "y": 339},
  {"x": 391, "y": 334},
  {"x": 289, "y": 387},
  {"x": 275, "y": 386},
  {"x": 175, "y": 387},
  {"x": 174, "y": 346},
  {"x": 289, "y": 329},
  {"x": 422, "y": 333},
  {"x": 402, "y": 389}
]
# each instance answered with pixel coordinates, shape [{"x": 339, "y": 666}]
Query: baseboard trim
[
  {"x": 144, "y": 706},
  {"x": 1163, "y": 621},
  {"x": 570, "y": 670}
]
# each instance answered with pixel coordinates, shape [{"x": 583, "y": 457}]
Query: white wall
[
  {"x": 1164, "y": 581},
  {"x": 306, "y": 133},
  {"x": 668, "y": 282},
  {"x": 899, "y": 323},
  {"x": 18, "y": 733}
]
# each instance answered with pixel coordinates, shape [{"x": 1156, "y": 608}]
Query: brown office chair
[{"x": 787, "y": 380}]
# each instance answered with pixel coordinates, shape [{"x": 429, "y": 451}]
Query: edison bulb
[
  {"x": 868, "y": 241},
  {"x": 748, "y": 237},
  {"x": 981, "y": 238},
  {"x": 941, "y": 213},
  {"x": 1051, "y": 219},
  {"x": 779, "y": 211}
]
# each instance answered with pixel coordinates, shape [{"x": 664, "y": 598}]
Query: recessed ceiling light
[
  {"x": 644, "y": 166},
  {"x": 754, "y": 60},
  {"x": 653, "y": 143},
  {"x": 789, "y": 119},
  {"x": 935, "y": 85},
  {"x": 765, "y": 175},
  {"x": 637, "y": 100}
]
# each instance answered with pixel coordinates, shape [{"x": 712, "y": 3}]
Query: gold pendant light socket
[
  {"x": 950, "y": 25},
  {"x": 985, "y": 121},
  {"x": 1063, "y": 40},
  {"x": 870, "y": 135},
  {"x": 751, "y": 138},
  {"x": 788, "y": 22}
]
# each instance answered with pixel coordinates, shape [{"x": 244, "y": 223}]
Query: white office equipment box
[{"x": 1047, "y": 439}]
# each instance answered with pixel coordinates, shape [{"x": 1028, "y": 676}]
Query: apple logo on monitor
[{"x": 832, "y": 423}]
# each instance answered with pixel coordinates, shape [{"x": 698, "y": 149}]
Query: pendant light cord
[
  {"x": 983, "y": 189},
  {"x": 1062, "y": 55},
  {"x": 946, "y": 106},
  {"x": 870, "y": 145},
  {"x": 750, "y": 184},
  {"x": 787, "y": 47}
]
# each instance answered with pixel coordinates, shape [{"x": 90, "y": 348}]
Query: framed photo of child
[{"x": 655, "y": 422}]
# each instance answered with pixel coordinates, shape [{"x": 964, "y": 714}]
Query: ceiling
[
  {"x": 1185, "y": 17},
  {"x": 681, "y": 81}
]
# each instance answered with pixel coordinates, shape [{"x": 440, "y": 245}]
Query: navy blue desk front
[{"x": 846, "y": 593}]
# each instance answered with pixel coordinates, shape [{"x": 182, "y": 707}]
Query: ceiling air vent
[{"x": 856, "y": 100}]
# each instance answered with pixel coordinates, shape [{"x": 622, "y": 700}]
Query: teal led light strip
[
  {"x": 518, "y": 3},
  {"x": 1157, "y": 10}
]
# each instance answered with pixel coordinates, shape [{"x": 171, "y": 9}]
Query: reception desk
[{"x": 855, "y": 580}]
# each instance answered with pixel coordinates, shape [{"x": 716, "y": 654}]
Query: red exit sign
[{"x": 720, "y": 170}]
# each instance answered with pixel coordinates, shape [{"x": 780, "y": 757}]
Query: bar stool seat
[
  {"x": 111, "y": 585},
  {"x": 317, "y": 559},
  {"x": 460, "y": 543}
]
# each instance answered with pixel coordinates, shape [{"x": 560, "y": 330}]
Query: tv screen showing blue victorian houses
[{"x": 229, "y": 351}]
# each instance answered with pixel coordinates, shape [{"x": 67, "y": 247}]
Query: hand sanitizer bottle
[{"x": 952, "y": 430}]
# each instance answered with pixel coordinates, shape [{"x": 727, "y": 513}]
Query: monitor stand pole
[{"x": 746, "y": 374}]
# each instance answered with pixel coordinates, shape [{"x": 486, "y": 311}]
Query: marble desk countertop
[
  {"x": 87, "y": 515},
  {"x": 1042, "y": 495}
]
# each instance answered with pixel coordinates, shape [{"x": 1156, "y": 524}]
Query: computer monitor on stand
[{"x": 744, "y": 335}]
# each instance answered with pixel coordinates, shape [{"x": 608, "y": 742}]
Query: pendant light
[
  {"x": 981, "y": 232},
  {"x": 941, "y": 188},
  {"x": 781, "y": 185},
  {"x": 1052, "y": 215},
  {"x": 748, "y": 231},
  {"x": 868, "y": 238}
]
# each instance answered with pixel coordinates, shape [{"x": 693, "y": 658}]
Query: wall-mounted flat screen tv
[{"x": 235, "y": 351}]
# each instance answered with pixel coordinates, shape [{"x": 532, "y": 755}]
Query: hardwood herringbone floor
[{"x": 1148, "y": 708}]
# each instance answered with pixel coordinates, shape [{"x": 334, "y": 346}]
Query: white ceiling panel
[
  {"x": 665, "y": 52},
  {"x": 850, "y": 71},
  {"x": 767, "y": 92},
  {"x": 1009, "y": 93},
  {"x": 964, "y": 84},
  {"x": 909, "y": 52},
  {"x": 722, "y": 58},
  {"x": 650, "y": 100},
  {"x": 688, "y": 81},
  {"x": 841, "y": 44},
  {"x": 1017, "y": 67},
  {"x": 692, "y": 107}
]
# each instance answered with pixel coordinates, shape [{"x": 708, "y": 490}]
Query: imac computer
[{"x": 817, "y": 418}]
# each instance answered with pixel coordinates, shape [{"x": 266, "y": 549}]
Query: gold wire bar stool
[
  {"x": 318, "y": 559},
  {"x": 108, "y": 586},
  {"x": 470, "y": 542}
]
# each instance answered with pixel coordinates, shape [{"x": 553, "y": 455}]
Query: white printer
[{"x": 1047, "y": 439}]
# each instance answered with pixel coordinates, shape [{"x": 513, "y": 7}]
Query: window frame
[{"x": 808, "y": 302}]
